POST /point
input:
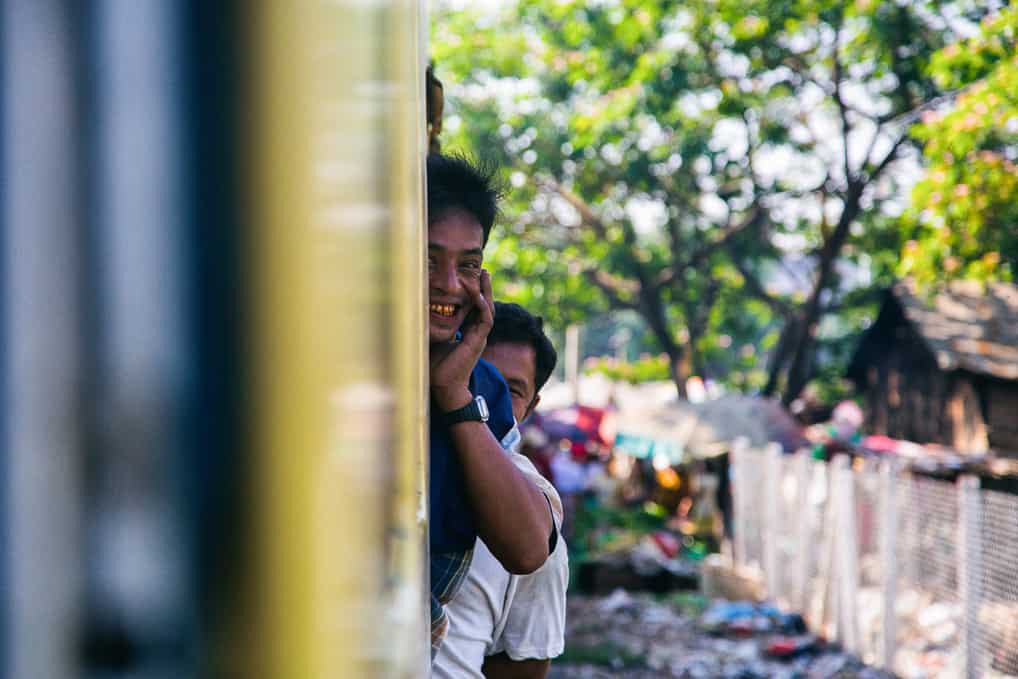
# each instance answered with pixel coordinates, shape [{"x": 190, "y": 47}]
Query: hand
[{"x": 452, "y": 364}]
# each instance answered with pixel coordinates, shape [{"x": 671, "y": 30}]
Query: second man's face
[
  {"x": 455, "y": 256},
  {"x": 518, "y": 365}
]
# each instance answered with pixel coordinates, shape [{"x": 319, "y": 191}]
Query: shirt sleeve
[
  {"x": 528, "y": 469},
  {"x": 533, "y": 626}
]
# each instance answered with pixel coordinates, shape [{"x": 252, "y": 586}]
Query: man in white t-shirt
[{"x": 503, "y": 625}]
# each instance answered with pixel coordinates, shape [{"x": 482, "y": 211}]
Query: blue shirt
[{"x": 451, "y": 526}]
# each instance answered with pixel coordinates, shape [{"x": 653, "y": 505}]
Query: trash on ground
[{"x": 638, "y": 635}]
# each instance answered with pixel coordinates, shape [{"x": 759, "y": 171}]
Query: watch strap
[{"x": 475, "y": 411}]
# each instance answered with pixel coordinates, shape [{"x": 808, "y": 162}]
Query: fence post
[
  {"x": 888, "y": 564},
  {"x": 847, "y": 554},
  {"x": 739, "y": 478},
  {"x": 804, "y": 528},
  {"x": 772, "y": 518},
  {"x": 825, "y": 600},
  {"x": 969, "y": 553}
]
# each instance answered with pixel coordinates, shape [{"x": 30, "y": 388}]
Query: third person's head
[{"x": 518, "y": 347}]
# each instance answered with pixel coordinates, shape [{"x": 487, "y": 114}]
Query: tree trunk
[
  {"x": 800, "y": 373},
  {"x": 681, "y": 371},
  {"x": 805, "y": 337},
  {"x": 782, "y": 353},
  {"x": 679, "y": 358}
]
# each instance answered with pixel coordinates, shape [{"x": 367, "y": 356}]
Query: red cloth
[{"x": 588, "y": 420}]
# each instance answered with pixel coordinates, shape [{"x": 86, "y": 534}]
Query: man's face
[
  {"x": 518, "y": 365},
  {"x": 455, "y": 256}
]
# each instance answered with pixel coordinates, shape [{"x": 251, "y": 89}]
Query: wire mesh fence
[
  {"x": 915, "y": 574},
  {"x": 994, "y": 621},
  {"x": 869, "y": 596},
  {"x": 928, "y": 606}
]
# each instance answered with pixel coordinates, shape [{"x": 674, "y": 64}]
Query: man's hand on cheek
[{"x": 452, "y": 365}]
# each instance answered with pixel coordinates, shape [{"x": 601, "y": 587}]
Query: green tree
[
  {"x": 964, "y": 212},
  {"x": 671, "y": 158}
]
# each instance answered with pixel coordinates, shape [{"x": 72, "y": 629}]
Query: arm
[
  {"x": 501, "y": 666},
  {"x": 512, "y": 514}
]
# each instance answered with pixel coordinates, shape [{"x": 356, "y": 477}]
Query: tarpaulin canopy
[
  {"x": 682, "y": 431},
  {"x": 578, "y": 423}
]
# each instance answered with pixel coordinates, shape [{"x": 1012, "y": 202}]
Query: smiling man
[
  {"x": 475, "y": 489},
  {"x": 504, "y": 626}
]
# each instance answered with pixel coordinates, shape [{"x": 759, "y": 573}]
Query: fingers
[
  {"x": 483, "y": 312},
  {"x": 488, "y": 312},
  {"x": 437, "y": 352},
  {"x": 478, "y": 324}
]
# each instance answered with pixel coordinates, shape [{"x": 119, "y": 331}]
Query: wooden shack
[{"x": 942, "y": 367}]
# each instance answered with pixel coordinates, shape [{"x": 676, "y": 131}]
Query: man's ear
[{"x": 531, "y": 408}]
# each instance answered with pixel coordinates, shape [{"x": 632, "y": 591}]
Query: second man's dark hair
[
  {"x": 456, "y": 183},
  {"x": 516, "y": 325}
]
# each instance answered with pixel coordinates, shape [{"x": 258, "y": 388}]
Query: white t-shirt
[{"x": 522, "y": 616}]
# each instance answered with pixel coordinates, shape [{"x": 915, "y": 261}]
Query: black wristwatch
[{"x": 475, "y": 411}]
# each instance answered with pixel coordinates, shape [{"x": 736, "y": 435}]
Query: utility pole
[{"x": 573, "y": 361}]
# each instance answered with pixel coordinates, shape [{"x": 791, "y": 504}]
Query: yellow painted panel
[{"x": 338, "y": 146}]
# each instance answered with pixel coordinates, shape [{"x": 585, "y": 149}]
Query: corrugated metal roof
[{"x": 967, "y": 326}]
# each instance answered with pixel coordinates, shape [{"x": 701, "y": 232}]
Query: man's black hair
[
  {"x": 457, "y": 183},
  {"x": 516, "y": 325}
]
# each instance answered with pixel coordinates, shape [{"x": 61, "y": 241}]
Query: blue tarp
[{"x": 639, "y": 446}]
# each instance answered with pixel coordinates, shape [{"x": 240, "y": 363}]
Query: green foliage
[
  {"x": 645, "y": 369},
  {"x": 964, "y": 212},
  {"x": 666, "y": 157},
  {"x": 540, "y": 279},
  {"x": 601, "y": 528}
]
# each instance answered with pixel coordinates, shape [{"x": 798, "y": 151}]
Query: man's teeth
[{"x": 444, "y": 309}]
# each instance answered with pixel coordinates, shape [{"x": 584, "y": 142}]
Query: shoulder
[{"x": 528, "y": 469}]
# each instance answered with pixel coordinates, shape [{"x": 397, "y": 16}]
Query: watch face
[{"x": 482, "y": 408}]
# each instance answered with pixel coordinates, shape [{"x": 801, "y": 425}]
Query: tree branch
[
  {"x": 670, "y": 275},
  {"x": 701, "y": 316},
  {"x": 613, "y": 287},
  {"x": 752, "y": 219},
  {"x": 590, "y": 218},
  {"x": 872, "y": 145},
  {"x": 757, "y": 290},
  {"x": 846, "y": 127},
  {"x": 872, "y": 175},
  {"x": 587, "y": 215},
  {"x": 667, "y": 277},
  {"x": 855, "y": 299}
]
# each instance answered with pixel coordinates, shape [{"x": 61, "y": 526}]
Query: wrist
[{"x": 448, "y": 400}]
